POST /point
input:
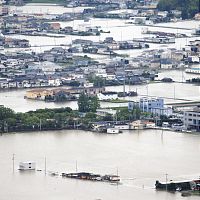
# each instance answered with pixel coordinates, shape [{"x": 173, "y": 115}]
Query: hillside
[{"x": 188, "y": 7}]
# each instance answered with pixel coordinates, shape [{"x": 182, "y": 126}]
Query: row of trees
[
  {"x": 188, "y": 7},
  {"x": 64, "y": 118}
]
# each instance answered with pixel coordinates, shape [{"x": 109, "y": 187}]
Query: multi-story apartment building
[
  {"x": 191, "y": 119},
  {"x": 155, "y": 106}
]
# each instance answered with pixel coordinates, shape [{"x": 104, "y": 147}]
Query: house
[
  {"x": 22, "y": 43},
  {"x": 177, "y": 55},
  {"x": 26, "y": 84},
  {"x": 166, "y": 64},
  {"x": 55, "y": 26},
  {"x": 154, "y": 64},
  {"x": 193, "y": 59},
  {"x": 29, "y": 165},
  {"x": 122, "y": 126},
  {"x": 163, "y": 13},
  {"x": 9, "y": 42},
  {"x": 3, "y": 68},
  {"x": 81, "y": 62},
  {"x": 176, "y": 13},
  {"x": 137, "y": 125},
  {"x": 48, "y": 57},
  {"x": 3, "y": 83},
  {"x": 12, "y": 84},
  {"x": 107, "y": 96},
  {"x": 67, "y": 29},
  {"x": 148, "y": 124},
  {"x": 4, "y": 10}
]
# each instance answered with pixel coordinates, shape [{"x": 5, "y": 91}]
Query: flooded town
[{"x": 99, "y": 99}]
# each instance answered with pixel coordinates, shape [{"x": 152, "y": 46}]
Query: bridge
[{"x": 184, "y": 104}]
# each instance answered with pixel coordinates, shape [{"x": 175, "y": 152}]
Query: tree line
[{"x": 61, "y": 118}]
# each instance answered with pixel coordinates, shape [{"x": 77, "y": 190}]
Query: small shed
[{"x": 28, "y": 165}]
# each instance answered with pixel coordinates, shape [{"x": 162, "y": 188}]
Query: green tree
[
  {"x": 91, "y": 116},
  {"x": 6, "y": 113},
  {"x": 188, "y": 7},
  {"x": 83, "y": 103},
  {"x": 93, "y": 104},
  {"x": 11, "y": 122},
  {"x": 87, "y": 104},
  {"x": 98, "y": 81}
]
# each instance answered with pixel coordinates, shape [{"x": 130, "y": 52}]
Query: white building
[
  {"x": 28, "y": 165},
  {"x": 54, "y": 82},
  {"x": 122, "y": 126},
  {"x": 107, "y": 96},
  {"x": 155, "y": 106},
  {"x": 191, "y": 119}
]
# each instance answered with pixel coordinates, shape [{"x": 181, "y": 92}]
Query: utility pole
[
  {"x": 174, "y": 92},
  {"x": 13, "y": 162},
  {"x": 40, "y": 124},
  {"x": 147, "y": 98},
  {"x": 166, "y": 180},
  {"x": 45, "y": 166},
  {"x": 76, "y": 166},
  {"x": 124, "y": 85}
]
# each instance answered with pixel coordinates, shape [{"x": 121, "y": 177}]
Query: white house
[
  {"x": 107, "y": 96},
  {"x": 112, "y": 130},
  {"x": 28, "y": 165}
]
